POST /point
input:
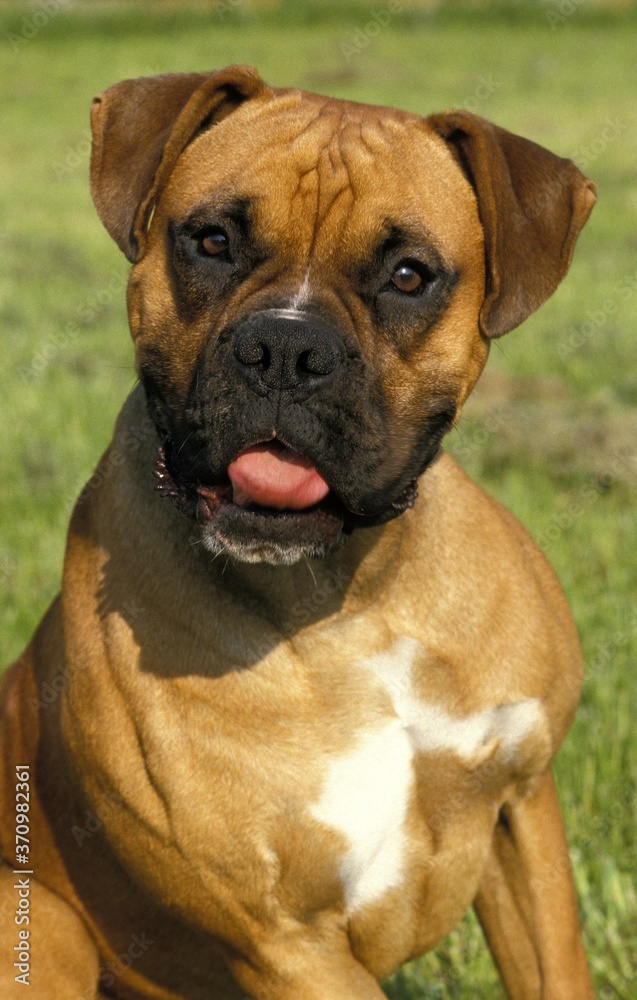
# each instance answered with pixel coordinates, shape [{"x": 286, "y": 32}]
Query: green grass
[{"x": 552, "y": 428}]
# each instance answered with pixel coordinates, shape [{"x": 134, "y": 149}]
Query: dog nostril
[
  {"x": 254, "y": 353},
  {"x": 303, "y": 364},
  {"x": 313, "y": 362}
]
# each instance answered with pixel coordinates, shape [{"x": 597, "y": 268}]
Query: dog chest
[
  {"x": 369, "y": 799},
  {"x": 412, "y": 787},
  {"x": 366, "y": 796}
]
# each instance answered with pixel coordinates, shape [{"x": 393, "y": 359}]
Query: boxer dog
[{"x": 295, "y": 708}]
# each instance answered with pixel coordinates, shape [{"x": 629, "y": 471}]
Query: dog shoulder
[{"x": 494, "y": 591}]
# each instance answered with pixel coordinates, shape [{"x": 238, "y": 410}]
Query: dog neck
[
  {"x": 346, "y": 581},
  {"x": 133, "y": 519}
]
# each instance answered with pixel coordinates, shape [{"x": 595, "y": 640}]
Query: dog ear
[
  {"x": 140, "y": 128},
  {"x": 532, "y": 206}
]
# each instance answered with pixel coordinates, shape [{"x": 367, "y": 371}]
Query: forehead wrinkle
[
  {"x": 334, "y": 179},
  {"x": 309, "y": 124},
  {"x": 350, "y": 151},
  {"x": 366, "y": 145},
  {"x": 350, "y": 146},
  {"x": 326, "y": 183}
]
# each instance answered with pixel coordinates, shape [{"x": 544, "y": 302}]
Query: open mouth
[
  {"x": 271, "y": 504},
  {"x": 268, "y": 480}
]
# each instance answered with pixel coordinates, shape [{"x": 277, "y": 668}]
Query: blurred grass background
[{"x": 551, "y": 429}]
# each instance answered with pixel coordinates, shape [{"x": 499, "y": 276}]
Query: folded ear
[
  {"x": 532, "y": 206},
  {"x": 140, "y": 128}
]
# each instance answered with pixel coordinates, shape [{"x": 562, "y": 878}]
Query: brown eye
[
  {"x": 214, "y": 242},
  {"x": 406, "y": 279}
]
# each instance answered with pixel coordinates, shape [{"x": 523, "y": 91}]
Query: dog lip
[
  {"x": 210, "y": 499},
  {"x": 204, "y": 501}
]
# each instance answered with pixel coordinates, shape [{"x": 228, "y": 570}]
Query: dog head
[{"x": 315, "y": 286}]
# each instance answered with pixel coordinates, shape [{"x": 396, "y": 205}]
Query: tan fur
[{"x": 198, "y": 702}]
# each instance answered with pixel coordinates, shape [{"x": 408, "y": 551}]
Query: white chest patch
[
  {"x": 366, "y": 793},
  {"x": 432, "y": 727},
  {"x": 365, "y": 797}
]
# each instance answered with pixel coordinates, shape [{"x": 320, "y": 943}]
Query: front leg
[{"x": 527, "y": 903}]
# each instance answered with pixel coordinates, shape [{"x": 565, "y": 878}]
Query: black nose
[{"x": 285, "y": 350}]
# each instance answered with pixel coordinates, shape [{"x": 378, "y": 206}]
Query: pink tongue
[{"x": 273, "y": 476}]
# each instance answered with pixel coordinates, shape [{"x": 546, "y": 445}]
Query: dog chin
[
  {"x": 279, "y": 539},
  {"x": 261, "y": 552}
]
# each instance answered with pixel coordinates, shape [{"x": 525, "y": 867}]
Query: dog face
[
  {"x": 313, "y": 299},
  {"x": 308, "y": 303}
]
